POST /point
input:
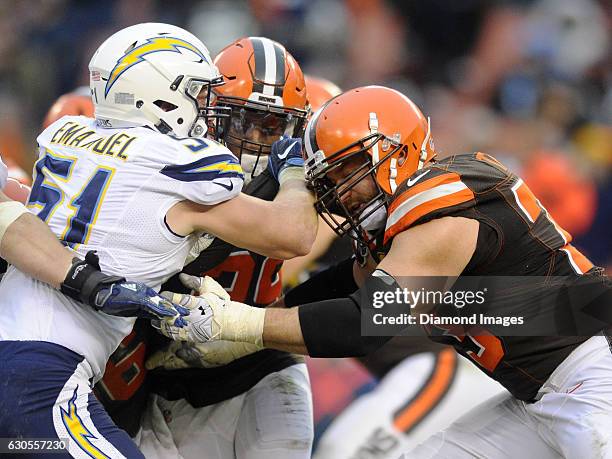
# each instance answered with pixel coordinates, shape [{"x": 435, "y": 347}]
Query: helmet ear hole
[
  {"x": 180, "y": 121},
  {"x": 401, "y": 159},
  {"x": 165, "y": 106}
]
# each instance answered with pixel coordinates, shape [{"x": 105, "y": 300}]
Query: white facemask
[
  {"x": 376, "y": 220},
  {"x": 247, "y": 162}
]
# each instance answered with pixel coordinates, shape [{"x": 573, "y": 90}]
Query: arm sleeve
[
  {"x": 332, "y": 328},
  {"x": 263, "y": 186},
  {"x": 334, "y": 282}
]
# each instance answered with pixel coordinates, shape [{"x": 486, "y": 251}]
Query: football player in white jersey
[
  {"x": 139, "y": 185},
  {"x": 28, "y": 244}
]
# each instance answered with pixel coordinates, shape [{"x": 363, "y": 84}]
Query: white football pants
[
  {"x": 572, "y": 418},
  {"x": 272, "y": 420}
]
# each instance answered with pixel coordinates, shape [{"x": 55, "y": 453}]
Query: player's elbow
[
  {"x": 284, "y": 246},
  {"x": 303, "y": 248},
  {"x": 294, "y": 244},
  {"x": 297, "y": 248},
  {"x": 305, "y": 239},
  {"x": 304, "y": 242}
]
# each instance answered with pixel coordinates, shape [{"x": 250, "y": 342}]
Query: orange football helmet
[
  {"x": 320, "y": 91},
  {"x": 73, "y": 103},
  {"x": 265, "y": 90},
  {"x": 381, "y": 128}
]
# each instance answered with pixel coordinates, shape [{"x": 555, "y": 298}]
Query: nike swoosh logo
[
  {"x": 229, "y": 187},
  {"x": 416, "y": 179},
  {"x": 287, "y": 150}
]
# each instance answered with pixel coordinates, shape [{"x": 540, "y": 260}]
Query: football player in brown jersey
[
  {"x": 370, "y": 158},
  {"x": 394, "y": 416}
]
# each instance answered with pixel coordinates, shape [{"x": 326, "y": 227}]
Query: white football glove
[
  {"x": 201, "y": 285},
  {"x": 213, "y": 316},
  {"x": 181, "y": 354}
]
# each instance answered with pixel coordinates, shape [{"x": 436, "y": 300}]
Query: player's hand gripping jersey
[
  {"x": 109, "y": 190},
  {"x": 517, "y": 237}
]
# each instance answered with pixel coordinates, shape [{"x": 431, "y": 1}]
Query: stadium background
[{"x": 528, "y": 81}]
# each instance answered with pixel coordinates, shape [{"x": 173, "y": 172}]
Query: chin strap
[
  {"x": 393, "y": 174},
  {"x": 373, "y": 125}
]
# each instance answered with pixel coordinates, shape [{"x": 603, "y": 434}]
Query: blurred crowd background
[{"x": 528, "y": 81}]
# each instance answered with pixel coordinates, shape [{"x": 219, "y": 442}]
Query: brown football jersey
[{"x": 517, "y": 237}]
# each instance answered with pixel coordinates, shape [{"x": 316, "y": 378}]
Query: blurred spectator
[
  {"x": 569, "y": 196},
  {"x": 218, "y": 23}
]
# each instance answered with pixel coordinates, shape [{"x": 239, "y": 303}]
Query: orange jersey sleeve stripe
[
  {"x": 425, "y": 185},
  {"x": 430, "y": 395},
  {"x": 526, "y": 201},
  {"x": 579, "y": 262},
  {"x": 406, "y": 218},
  {"x": 531, "y": 208}
]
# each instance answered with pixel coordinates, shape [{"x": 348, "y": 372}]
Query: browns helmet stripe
[
  {"x": 269, "y": 67},
  {"x": 260, "y": 64},
  {"x": 279, "y": 56}
]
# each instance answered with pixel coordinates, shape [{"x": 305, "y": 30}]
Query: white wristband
[
  {"x": 9, "y": 212},
  {"x": 291, "y": 173}
]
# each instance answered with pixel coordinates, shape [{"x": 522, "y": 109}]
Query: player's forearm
[
  {"x": 292, "y": 268},
  {"x": 29, "y": 245},
  {"x": 295, "y": 216},
  {"x": 282, "y": 331},
  {"x": 330, "y": 328},
  {"x": 284, "y": 228}
]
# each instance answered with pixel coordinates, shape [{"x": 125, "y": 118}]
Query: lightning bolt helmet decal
[{"x": 152, "y": 45}]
